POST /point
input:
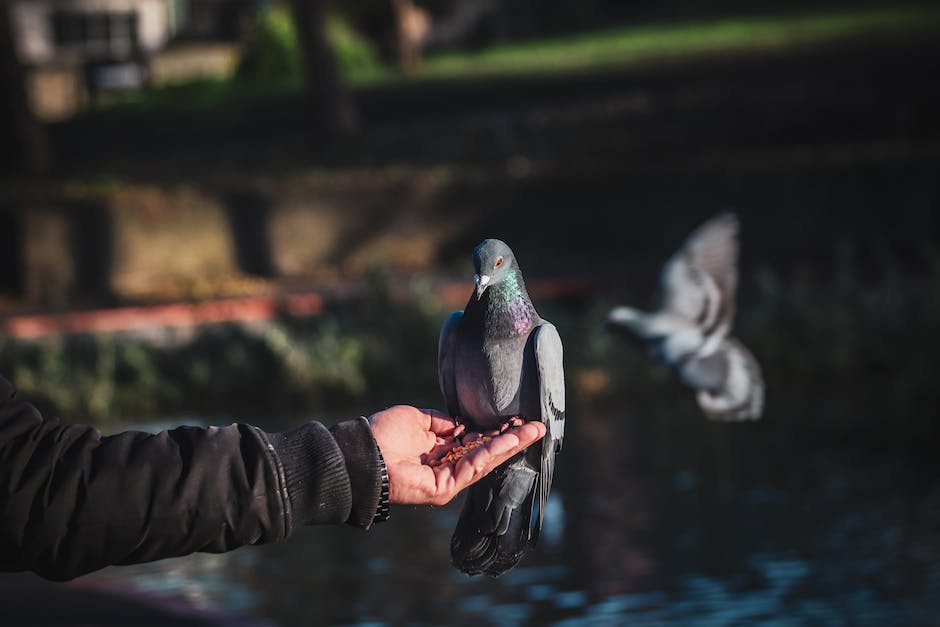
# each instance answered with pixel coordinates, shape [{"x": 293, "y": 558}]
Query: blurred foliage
[
  {"x": 323, "y": 359},
  {"x": 89, "y": 376},
  {"x": 367, "y": 355},
  {"x": 357, "y": 56},
  {"x": 272, "y": 52}
]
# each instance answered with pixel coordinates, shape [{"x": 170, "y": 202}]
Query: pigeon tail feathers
[{"x": 493, "y": 531}]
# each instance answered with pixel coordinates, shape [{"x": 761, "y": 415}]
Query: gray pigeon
[
  {"x": 690, "y": 332},
  {"x": 498, "y": 360}
]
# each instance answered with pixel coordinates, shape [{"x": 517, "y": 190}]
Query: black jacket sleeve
[{"x": 72, "y": 501}]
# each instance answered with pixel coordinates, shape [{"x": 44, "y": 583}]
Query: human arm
[{"x": 73, "y": 501}]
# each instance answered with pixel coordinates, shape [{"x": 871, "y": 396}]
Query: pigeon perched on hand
[
  {"x": 499, "y": 362},
  {"x": 690, "y": 332}
]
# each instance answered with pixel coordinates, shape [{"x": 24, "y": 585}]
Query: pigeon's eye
[{"x": 499, "y": 262}]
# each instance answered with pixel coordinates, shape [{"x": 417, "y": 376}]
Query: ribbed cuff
[
  {"x": 318, "y": 484},
  {"x": 361, "y": 453}
]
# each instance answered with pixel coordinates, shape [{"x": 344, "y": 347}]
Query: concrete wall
[
  {"x": 168, "y": 243},
  {"x": 147, "y": 242}
]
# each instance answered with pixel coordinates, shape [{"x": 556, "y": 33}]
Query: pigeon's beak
[{"x": 481, "y": 281}]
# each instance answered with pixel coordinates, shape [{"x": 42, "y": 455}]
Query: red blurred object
[{"x": 117, "y": 319}]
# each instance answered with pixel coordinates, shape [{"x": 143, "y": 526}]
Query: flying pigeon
[
  {"x": 498, "y": 362},
  {"x": 690, "y": 332}
]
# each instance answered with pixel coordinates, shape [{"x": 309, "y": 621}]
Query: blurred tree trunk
[
  {"x": 23, "y": 146},
  {"x": 334, "y": 112},
  {"x": 411, "y": 25}
]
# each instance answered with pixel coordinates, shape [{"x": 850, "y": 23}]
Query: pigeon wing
[
  {"x": 700, "y": 280},
  {"x": 446, "y": 357},
  {"x": 551, "y": 376}
]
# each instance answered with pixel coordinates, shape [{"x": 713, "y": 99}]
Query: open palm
[{"x": 411, "y": 438}]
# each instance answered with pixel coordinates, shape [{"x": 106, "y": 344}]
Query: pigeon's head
[{"x": 492, "y": 261}]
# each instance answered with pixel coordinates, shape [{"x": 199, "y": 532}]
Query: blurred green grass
[{"x": 635, "y": 45}]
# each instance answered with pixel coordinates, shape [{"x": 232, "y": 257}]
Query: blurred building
[{"x": 77, "y": 50}]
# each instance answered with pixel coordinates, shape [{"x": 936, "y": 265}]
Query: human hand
[{"x": 410, "y": 438}]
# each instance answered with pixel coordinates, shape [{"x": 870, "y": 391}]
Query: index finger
[{"x": 441, "y": 424}]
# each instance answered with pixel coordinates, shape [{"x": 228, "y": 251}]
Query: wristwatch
[{"x": 382, "y": 511}]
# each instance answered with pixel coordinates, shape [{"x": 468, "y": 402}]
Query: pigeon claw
[{"x": 513, "y": 422}]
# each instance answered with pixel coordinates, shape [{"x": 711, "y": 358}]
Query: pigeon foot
[
  {"x": 505, "y": 426},
  {"x": 513, "y": 422}
]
